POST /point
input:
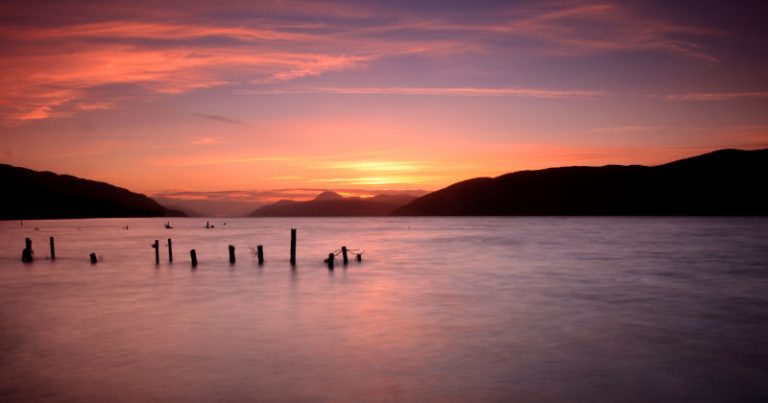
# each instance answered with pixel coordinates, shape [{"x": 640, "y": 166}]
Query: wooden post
[
  {"x": 53, "y": 250},
  {"x": 231, "y": 254},
  {"x": 193, "y": 256},
  {"x": 330, "y": 261},
  {"x": 156, "y": 245},
  {"x": 260, "y": 253},
  {"x": 26, "y": 254},
  {"x": 344, "y": 254},
  {"x": 93, "y": 258},
  {"x": 170, "y": 251},
  {"x": 293, "y": 245},
  {"x": 359, "y": 257}
]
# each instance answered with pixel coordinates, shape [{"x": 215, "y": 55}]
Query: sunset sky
[{"x": 266, "y": 96}]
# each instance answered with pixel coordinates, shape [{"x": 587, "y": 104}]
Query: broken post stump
[
  {"x": 344, "y": 254},
  {"x": 231, "y": 254},
  {"x": 170, "y": 251},
  {"x": 26, "y": 254},
  {"x": 53, "y": 249},
  {"x": 156, "y": 245},
  {"x": 193, "y": 256},
  {"x": 331, "y": 256},
  {"x": 93, "y": 258},
  {"x": 260, "y": 254},
  {"x": 293, "y": 245},
  {"x": 359, "y": 257}
]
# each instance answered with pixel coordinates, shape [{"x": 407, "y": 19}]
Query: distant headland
[
  {"x": 45, "y": 195},
  {"x": 724, "y": 182}
]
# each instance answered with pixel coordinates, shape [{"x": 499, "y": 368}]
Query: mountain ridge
[
  {"x": 723, "y": 182},
  {"x": 46, "y": 195},
  {"x": 332, "y": 204}
]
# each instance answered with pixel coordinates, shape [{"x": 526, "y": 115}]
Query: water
[{"x": 440, "y": 309}]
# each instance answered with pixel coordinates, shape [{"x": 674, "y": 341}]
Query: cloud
[
  {"x": 718, "y": 96},
  {"x": 46, "y": 79},
  {"x": 218, "y": 119},
  {"x": 206, "y": 141},
  {"x": 444, "y": 91},
  {"x": 59, "y": 67},
  {"x": 569, "y": 28}
]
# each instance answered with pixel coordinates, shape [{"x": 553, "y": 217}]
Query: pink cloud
[
  {"x": 55, "y": 69},
  {"x": 448, "y": 91},
  {"x": 718, "y": 96}
]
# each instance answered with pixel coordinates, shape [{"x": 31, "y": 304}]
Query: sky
[{"x": 199, "y": 98}]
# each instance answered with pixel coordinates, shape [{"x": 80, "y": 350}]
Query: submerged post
[
  {"x": 344, "y": 254},
  {"x": 26, "y": 254},
  {"x": 156, "y": 245},
  {"x": 93, "y": 258},
  {"x": 330, "y": 261},
  {"x": 53, "y": 250},
  {"x": 260, "y": 254},
  {"x": 231, "y": 254},
  {"x": 170, "y": 251},
  {"x": 293, "y": 245},
  {"x": 193, "y": 256}
]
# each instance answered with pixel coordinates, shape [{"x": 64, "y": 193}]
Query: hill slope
[
  {"x": 41, "y": 195},
  {"x": 331, "y": 204},
  {"x": 725, "y": 182}
]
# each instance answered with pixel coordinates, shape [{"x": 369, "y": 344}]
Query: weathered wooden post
[
  {"x": 193, "y": 256},
  {"x": 156, "y": 245},
  {"x": 170, "y": 251},
  {"x": 344, "y": 254},
  {"x": 260, "y": 254},
  {"x": 231, "y": 254},
  {"x": 93, "y": 258},
  {"x": 330, "y": 261},
  {"x": 53, "y": 250},
  {"x": 293, "y": 245},
  {"x": 26, "y": 254},
  {"x": 359, "y": 257}
]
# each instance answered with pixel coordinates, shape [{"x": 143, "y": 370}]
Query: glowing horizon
[{"x": 371, "y": 95}]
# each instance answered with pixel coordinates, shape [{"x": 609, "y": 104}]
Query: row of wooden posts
[{"x": 26, "y": 255}]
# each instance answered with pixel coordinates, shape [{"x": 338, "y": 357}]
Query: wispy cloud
[
  {"x": 442, "y": 91},
  {"x": 718, "y": 96},
  {"x": 61, "y": 69},
  {"x": 204, "y": 141},
  {"x": 219, "y": 118},
  {"x": 182, "y": 162}
]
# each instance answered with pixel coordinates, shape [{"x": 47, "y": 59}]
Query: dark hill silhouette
[
  {"x": 725, "y": 182},
  {"x": 45, "y": 195},
  {"x": 332, "y": 204}
]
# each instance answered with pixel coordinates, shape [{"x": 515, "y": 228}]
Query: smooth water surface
[{"x": 440, "y": 309}]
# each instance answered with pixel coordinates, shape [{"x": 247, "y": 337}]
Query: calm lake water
[{"x": 440, "y": 309}]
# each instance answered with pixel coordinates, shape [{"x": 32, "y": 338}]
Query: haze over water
[{"x": 440, "y": 309}]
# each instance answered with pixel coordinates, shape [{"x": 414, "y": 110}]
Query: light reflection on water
[{"x": 441, "y": 309}]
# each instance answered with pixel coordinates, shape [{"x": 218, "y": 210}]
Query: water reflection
[{"x": 546, "y": 309}]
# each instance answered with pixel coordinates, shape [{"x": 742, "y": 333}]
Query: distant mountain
[
  {"x": 332, "y": 204},
  {"x": 725, "y": 182},
  {"x": 40, "y": 195}
]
